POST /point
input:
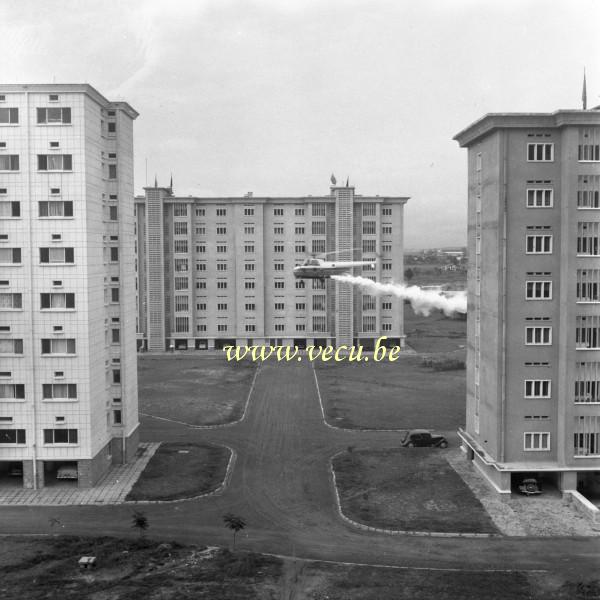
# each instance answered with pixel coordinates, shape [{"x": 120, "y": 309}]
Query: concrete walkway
[{"x": 112, "y": 489}]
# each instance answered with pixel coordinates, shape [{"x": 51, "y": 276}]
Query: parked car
[
  {"x": 423, "y": 438},
  {"x": 67, "y": 472},
  {"x": 530, "y": 486}
]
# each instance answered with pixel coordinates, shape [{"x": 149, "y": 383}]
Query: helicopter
[{"x": 319, "y": 268}]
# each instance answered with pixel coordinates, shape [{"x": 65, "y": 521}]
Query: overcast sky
[{"x": 272, "y": 96}]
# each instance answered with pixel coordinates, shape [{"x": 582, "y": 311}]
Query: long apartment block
[
  {"x": 533, "y": 355},
  {"x": 218, "y": 271},
  {"x": 68, "y": 366}
]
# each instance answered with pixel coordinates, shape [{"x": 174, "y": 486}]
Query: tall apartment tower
[
  {"x": 218, "y": 271},
  {"x": 68, "y": 366},
  {"x": 533, "y": 354}
]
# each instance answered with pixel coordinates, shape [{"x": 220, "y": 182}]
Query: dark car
[
  {"x": 423, "y": 438},
  {"x": 530, "y": 486}
]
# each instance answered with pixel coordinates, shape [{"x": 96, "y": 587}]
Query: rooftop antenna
[
  {"x": 584, "y": 92},
  {"x": 155, "y": 181},
  {"x": 171, "y": 184},
  {"x": 333, "y": 179}
]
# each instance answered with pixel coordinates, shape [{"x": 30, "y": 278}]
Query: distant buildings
[
  {"x": 533, "y": 360},
  {"x": 68, "y": 369},
  {"x": 218, "y": 271}
]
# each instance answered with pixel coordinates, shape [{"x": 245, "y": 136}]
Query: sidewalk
[{"x": 112, "y": 489}]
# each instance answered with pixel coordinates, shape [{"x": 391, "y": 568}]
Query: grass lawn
[
  {"x": 410, "y": 489},
  {"x": 435, "y": 333},
  {"x": 181, "y": 470},
  {"x": 200, "y": 390},
  {"x": 398, "y": 395}
]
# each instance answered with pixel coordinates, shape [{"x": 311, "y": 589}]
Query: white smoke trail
[{"x": 422, "y": 301}]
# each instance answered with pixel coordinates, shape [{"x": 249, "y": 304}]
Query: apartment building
[
  {"x": 533, "y": 358},
  {"x": 218, "y": 271},
  {"x": 68, "y": 368}
]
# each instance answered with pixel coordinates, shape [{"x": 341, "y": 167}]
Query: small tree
[
  {"x": 140, "y": 522},
  {"x": 234, "y": 523}
]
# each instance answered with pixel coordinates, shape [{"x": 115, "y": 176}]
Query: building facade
[
  {"x": 533, "y": 354},
  {"x": 218, "y": 271},
  {"x": 68, "y": 367}
]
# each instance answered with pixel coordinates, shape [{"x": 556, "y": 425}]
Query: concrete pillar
[{"x": 567, "y": 481}]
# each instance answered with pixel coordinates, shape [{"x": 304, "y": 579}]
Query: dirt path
[{"x": 281, "y": 486}]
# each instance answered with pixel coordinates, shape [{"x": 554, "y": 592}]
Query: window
[
  {"x": 11, "y": 301},
  {"x": 180, "y": 246},
  {"x": 369, "y": 322},
  {"x": 181, "y": 303},
  {"x": 113, "y": 213},
  {"x": 587, "y": 332},
  {"x": 221, "y": 248},
  {"x": 369, "y": 209},
  {"x": 539, "y": 244},
  {"x": 386, "y": 327},
  {"x": 249, "y": 229},
  {"x": 587, "y": 286},
  {"x": 386, "y": 266},
  {"x": 369, "y": 245},
  {"x": 60, "y": 436},
  {"x": 369, "y": 227},
  {"x": 299, "y": 229},
  {"x": 200, "y": 212},
  {"x": 278, "y": 212},
  {"x": 279, "y": 327},
  {"x": 540, "y": 152},
  {"x": 300, "y": 284},
  {"x": 248, "y": 266},
  {"x": 11, "y": 346},
  {"x": 181, "y": 283},
  {"x": 221, "y": 285},
  {"x": 319, "y": 302},
  {"x": 221, "y": 328},
  {"x": 55, "y": 162},
  {"x": 587, "y": 435},
  {"x": 279, "y": 306},
  {"x": 587, "y": 152},
  {"x": 386, "y": 211},
  {"x": 386, "y": 229},
  {"x": 318, "y": 209},
  {"x": 300, "y": 306},
  {"x": 249, "y": 285},
  {"x": 537, "y": 388},
  {"x": 114, "y": 254},
  {"x": 540, "y": 198},
  {"x": 300, "y": 248},
  {"x": 57, "y": 301},
  {"x": 180, "y": 264},
  {"x": 111, "y": 127},
  {"x": 318, "y": 285},
  {"x": 112, "y": 171},
  {"x": 201, "y": 249},
  {"x": 221, "y": 212},
  {"x": 58, "y": 346},
  {"x": 221, "y": 230},
  {"x": 222, "y": 306},
  {"x": 249, "y": 248},
  {"x": 201, "y": 306},
  {"x": 588, "y": 235},
  {"x": 368, "y": 302},
  {"x": 114, "y": 294},
  {"x": 587, "y": 382},
  {"x": 116, "y": 376},
  {"x": 201, "y": 230},
  {"x": 179, "y": 209},
  {"x": 117, "y": 419},
  {"x": 538, "y": 336},
  {"x": 9, "y": 162},
  {"x": 318, "y": 228},
  {"x": 536, "y": 441},
  {"x": 182, "y": 324},
  {"x": 221, "y": 266},
  {"x": 300, "y": 327},
  {"x": 10, "y": 209},
  {"x": 278, "y": 230},
  {"x": 9, "y": 116},
  {"x": 248, "y": 212},
  {"x": 200, "y": 328},
  {"x": 299, "y": 212},
  {"x": 53, "y": 116},
  {"x": 201, "y": 285},
  {"x": 180, "y": 228},
  {"x": 250, "y": 306},
  {"x": 278, "y": 248},
  {"x": 59, "y": 391},
  {"x": 588, "y": 191},
  {"x": 318, "y": 246},
  {"x": 12, "y": 436},
  {"x": 386, "y": 304},
  {"x": 57, "y": 255},
  {"x": 199, "y": 266},
  {"x": 279, "y": 284},
  {"x": 56, "y": 208},
  {"x": 538, "y": 290},
  {"x": 12, "y": 391},
  {"x": 278, "y": 266}
]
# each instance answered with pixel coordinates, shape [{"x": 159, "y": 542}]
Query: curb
[
  {"x": 218, "y": 425},
  {"x": 364, "y": 527}
]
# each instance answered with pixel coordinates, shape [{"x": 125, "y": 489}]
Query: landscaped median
[
  {"x": 407, "y": 489},
  {"x": 182, "y": 470}
]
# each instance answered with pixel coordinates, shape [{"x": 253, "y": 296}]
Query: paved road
[{"x": 281, "y": 486}]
